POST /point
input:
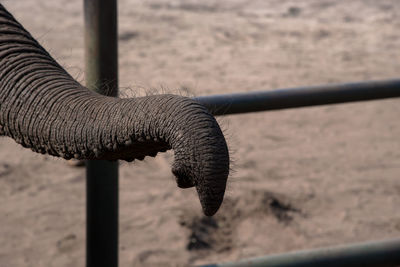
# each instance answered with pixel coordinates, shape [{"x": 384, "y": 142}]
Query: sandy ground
[{"x": 303, "y": 178}]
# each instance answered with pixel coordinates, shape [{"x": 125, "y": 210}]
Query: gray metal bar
[
  {"x": 101, "y": 58},
  {"x": 299, "y": 97},
  {"x": 382, "y": 253}
]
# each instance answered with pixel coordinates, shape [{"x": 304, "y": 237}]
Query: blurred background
[{"x": 302, "y": 178}]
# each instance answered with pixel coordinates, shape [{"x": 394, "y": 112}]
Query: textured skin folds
[{"x": 43, "y": 108}]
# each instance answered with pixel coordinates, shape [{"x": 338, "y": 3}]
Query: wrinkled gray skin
[{"x": 43, "y": 108}]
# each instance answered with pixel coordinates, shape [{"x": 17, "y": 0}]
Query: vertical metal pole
[{"x": 101, "y": 58}]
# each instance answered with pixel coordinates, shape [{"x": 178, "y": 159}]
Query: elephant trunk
[{"x": 43, "y": 108}]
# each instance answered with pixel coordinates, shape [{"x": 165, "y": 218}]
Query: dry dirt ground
[{"x": 303, "y": 178}]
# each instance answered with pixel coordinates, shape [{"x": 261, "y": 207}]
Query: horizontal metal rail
[
  {"x": 382, "y": 253},
  {"x": 299, "y": 97}
]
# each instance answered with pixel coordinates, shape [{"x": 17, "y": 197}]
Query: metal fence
[
  {"x": 102, "y": 176},
  {"x": 378, "y": 253}
]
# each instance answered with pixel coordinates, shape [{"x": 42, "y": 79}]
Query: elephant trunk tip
[
  {"x": 201, "y": 157},
  {"x": 211, "y": 199},
  {"x": 210, "y": 184}
]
